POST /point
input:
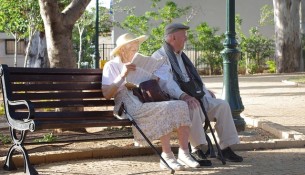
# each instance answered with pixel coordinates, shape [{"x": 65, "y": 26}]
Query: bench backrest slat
[
  {"x": 54, "y": 78},
  {"x": 53, "y": 87},
  {"x": 56, "y": 95}
]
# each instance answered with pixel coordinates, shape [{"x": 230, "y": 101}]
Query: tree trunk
[
  {"x": 32, "y": 32},
  {"x": 58, "y": 28},
  {"x": 247, "y": 63},
  {"x": 37, "y": 52},
  {"x": 287, "y": 39},
  {"x": 302, "y": 31},
  {"x": 28, "y": 51},
  {"x": 80, "y": 52},
  {"x": 16, "y": 50}
]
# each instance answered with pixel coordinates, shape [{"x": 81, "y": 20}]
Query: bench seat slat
[
  {"x": 66, "y": 115},
  {"x": 76, "y": 124},
  {"x": 76, "y": 103},
  {"x": 70, "y": 103}
]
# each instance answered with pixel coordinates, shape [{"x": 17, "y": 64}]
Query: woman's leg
[
  {"x": 168, "y": 155},
  {"x": 183, "y": 136},
  {"x": 165, "y": 142},
  {"x": 184, "y": 156}
]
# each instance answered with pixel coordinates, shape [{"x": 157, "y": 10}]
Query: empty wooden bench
[{"x": 65, "y": 93}]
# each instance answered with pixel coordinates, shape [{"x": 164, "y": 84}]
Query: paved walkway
[
  {"x": 271, "y": 99},
  {"x": 276, "y": 106}
]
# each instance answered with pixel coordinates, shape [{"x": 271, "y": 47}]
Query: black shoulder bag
[
  {"x": 192, "y": 87},
  {"x": 150, "y": 91}
]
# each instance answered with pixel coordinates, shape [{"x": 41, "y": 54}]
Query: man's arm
[
  {"x": 167, "y": 83},
  {"x": 170, "y": 86}
]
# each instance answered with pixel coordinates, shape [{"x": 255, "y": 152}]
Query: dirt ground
[{"x": 106, "y": 138}]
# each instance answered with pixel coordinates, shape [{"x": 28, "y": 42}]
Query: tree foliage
[
  {"x": 13, "y": 20},
  {"x": 152, "y": 23},
  {"x": 267, "y": 16},
  {"x": 255, "y": 48},
  {"x": 205, "y": 39},
  {"x": 82, "y": 24},
  {"x": 84, "y": 33}
]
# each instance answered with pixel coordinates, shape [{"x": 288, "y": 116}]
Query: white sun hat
[{"x": 125, "y": 39}]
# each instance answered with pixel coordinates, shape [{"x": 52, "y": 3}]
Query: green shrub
[
  {"x": 271, "y": 66},
  {"x": 253, "y": 68}
]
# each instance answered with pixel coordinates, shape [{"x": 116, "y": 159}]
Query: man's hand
[{"x": 191, "y": 101}]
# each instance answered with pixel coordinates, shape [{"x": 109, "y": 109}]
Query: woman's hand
[{"x": 127, "y": 68}]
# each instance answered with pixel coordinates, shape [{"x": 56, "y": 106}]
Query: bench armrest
[{"x": 27, "y": 123}]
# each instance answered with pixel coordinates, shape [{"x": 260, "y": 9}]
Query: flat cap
[{"x": 173, "y": 27}]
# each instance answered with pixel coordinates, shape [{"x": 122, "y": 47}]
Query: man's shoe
[
  {"x": 200, "y": 157},
  {"x": 229, "y": 155}
]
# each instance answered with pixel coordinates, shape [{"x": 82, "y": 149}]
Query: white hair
[{"x": 167, "y": 37}]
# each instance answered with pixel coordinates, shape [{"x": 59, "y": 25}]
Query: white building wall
[
  {"x": 211, "y": 11},
  {"x": 8, "y": 59}
]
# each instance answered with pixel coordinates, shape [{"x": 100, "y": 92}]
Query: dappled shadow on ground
[{"x": 265, "y": 162}]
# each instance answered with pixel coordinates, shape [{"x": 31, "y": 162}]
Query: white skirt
[{"x": 155, "y": 119}]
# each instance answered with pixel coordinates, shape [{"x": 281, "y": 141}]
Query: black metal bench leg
[
  {"x": 9, "y": 164},
  {"x": 29, "y": 169},
  {"x": 18, "y": 145}
]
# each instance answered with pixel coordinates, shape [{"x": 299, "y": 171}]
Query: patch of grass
[
  {"x": 5, "y": 139},
  {"x": 1, "y": 109},
  {"x": 47, "y": 138},
  {"x": 300, "y": 79}
]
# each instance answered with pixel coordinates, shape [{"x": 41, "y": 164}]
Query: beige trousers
[{"x": 219, "y": 111}]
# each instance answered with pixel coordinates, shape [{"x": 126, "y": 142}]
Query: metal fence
[
  {"x": 190, "y": 51},
  {"x": 105, "y": 50}
]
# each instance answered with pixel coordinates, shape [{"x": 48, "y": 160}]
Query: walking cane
[
  {"x": 211, "y": 129},
  {"x": 122, "y": 109},
  {"x": 210, "y": 150}
]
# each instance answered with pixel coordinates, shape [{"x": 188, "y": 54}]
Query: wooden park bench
[{"x": 45, "y": 98}]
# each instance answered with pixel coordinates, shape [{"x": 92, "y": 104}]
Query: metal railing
[
  {"x": 190, "y": 51},
  {"x": 105, "y": 50}
]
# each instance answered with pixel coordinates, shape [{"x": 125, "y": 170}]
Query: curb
[
  {"x": 278, "y": 130},
  {"x": 293, "y": 83}
]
